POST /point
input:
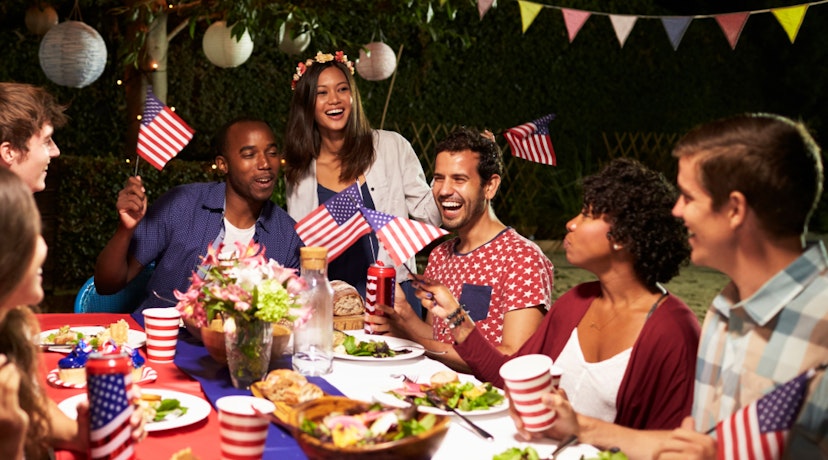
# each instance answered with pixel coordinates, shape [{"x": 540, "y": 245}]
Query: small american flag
[
  {"x": 335, "y": 224},
  {"x": 162, "y": 133},
  {"x": 401, "y": 237},
  {"x": 531, "y": 141},
  {"x": 759, "y": 430},
  {"x": 110, "y": 432}
]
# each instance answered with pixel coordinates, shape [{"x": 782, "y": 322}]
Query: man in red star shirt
[{"x": 501, "y": 279}]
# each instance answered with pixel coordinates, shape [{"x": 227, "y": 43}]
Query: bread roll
[
  {"x": 444, "y": 377},
  {"x": 346, "y": 299}
]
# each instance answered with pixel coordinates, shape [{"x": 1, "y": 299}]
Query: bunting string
[{"x": 732, "y": 24}]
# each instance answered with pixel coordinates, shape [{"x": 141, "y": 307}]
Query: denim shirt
[{"x": 178, "y": 227}]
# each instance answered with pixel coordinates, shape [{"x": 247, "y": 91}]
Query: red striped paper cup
[
  {"x": 528, "y": 378},
  {"x": 243, "y": 432},
  {"x": 161, "y": 326}
]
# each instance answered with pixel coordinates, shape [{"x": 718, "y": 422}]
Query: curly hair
[
  {"x": 489, "y": 154},
  {"x": 637, "y": 202}
]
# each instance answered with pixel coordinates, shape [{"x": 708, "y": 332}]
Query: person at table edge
[
  {"x": 504, "y": 279},
  {"x": 175, "y": 231},
  {"x": 28, "y": 118}
]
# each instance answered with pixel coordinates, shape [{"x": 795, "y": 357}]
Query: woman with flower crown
[{"x": 329, "y": 145}]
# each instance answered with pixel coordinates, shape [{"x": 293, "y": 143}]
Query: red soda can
[
  {"x": 109, "y": 390},
  {"x": 379, "y": 290}
]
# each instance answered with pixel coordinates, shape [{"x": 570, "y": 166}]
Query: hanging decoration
[
  {"x": 72, "y": 53},
  {"x": 294, "y": 44},
  {"x": 40, "y": 18},
  {"x": 376, "y": 61},
  {"x": 732, "y": 24},
  {"x": 222, "y": 49},
  {"x": 483, "y": 7}
]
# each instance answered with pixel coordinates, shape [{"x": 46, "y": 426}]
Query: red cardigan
[{"x": 656, "y": 391}]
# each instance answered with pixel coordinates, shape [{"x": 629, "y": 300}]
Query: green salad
[
  {"x": 374, "y": 348},
  {"x": 461, "y": 396}
]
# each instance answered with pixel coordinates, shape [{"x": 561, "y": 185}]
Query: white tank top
[
  {"x": 592, "y": 388},
  {"x": 233, "y": 234}
]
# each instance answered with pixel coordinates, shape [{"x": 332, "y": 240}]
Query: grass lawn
[{"x": 696, "y": 286}]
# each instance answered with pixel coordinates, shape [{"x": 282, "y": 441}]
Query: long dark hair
[
  {"x": 20, "y": 227},
  {"x": 302, "y": 140}
]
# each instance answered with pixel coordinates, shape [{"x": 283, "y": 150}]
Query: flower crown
[{"x": 302, "y": 67}]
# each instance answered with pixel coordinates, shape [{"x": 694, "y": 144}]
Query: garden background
[{"x": 610, "y": 100}]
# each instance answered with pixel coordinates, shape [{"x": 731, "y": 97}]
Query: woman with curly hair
[
  {"x": 627, "y": 347},
  {"x": 329, "y": 146}
]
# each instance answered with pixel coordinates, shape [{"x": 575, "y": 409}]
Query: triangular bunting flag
[
  {"x": 528, "y": 12},
  {"x": 622, "y": 24},
  {"x": 791, "y": 19},
  {"x": 483, "y": 7},
  {"x": 732, "y": 25},
  {"x": 676, "y": 26},
  {"x": 574, "y": 20}
]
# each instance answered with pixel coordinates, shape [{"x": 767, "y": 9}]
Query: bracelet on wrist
[
  {"x": 454, "y": 314},
  {"x": 460, "y": 318}
]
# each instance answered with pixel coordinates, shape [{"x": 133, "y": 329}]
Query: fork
[{"x": 570, "y": 441}]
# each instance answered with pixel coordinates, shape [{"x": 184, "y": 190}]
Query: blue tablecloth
[{"x": 192, "y": 358}]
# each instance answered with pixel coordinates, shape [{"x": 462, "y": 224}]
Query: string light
[
  {"x": 154, "y": 66},
  {"x": 139, "y": 117},
  {"x": 119, "y": 82}
]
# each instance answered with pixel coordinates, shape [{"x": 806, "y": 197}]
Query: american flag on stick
[
  {"x": 531, "y": 141},
  {"x": 401, "y": 237},
  {"x": 759, "y": 430},
  {"x": 335, "y": 224},
  {"x": 110, "y": 432},
  {"x": 162, "y": 133}
]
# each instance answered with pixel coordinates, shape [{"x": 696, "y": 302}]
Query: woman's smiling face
[{"x": 333, "y": 101}]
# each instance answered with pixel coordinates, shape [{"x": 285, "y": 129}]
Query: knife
[{"x": 440, "y": 404}]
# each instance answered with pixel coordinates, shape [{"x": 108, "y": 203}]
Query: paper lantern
[
  {"x": 40, "y": 20},
  {"x": 293, "y": 45},
  {"x": 222, "y": 49},
  {"x": 72, "y": 54},
  {"x": 378, "y": 63}
]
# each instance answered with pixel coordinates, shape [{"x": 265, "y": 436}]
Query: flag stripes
[
  {"x": 162, "y": 133},
  {"x": 531, "y": 141}
]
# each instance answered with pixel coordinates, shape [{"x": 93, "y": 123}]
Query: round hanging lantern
[
  {"x": 376, "y": 61},
  {"x": 40, "y": 20},
  {"x": 222, "y": 49},
  {"x": 72, "y": 54},
  {"x": 293, "y": 45}
]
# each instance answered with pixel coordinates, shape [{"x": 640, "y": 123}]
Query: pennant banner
[
  {"x": 483, "y": 7},
  {"x": 732, "y": 24}
]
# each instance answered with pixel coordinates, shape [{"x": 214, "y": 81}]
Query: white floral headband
[{"x": 302, "y": 67}]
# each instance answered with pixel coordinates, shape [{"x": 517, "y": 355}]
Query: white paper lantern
[
  {"x": 72, "y": 54},
  {"x": 378, "y": 63},
  {"x": 222, "y": 49},
  {"x": 40, "y": 20},
  {"x": 293, "y": 45}
]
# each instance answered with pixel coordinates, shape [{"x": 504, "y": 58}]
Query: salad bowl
[{"x": 415, "y": 446}]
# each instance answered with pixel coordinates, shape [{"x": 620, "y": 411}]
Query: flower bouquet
[{"x": 249, "y": 292}]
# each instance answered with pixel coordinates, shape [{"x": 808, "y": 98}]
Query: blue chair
[{"x": 124, "y": 301}]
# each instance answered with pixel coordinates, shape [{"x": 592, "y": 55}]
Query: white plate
[
  {"x": 390, "y": 400},
  {"x": 135, "y": 339},
  {"x": 148, "y": 375},
  {"x": 197, "y": 409},
  {"x": 417, "y": 350}
]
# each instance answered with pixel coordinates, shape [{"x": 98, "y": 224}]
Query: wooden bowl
[
  {"x": 214, "y": 342},
  {"x": 422, "y": 446}
]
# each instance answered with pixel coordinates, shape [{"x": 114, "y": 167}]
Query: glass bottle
[{"x": 313, "y": 340}]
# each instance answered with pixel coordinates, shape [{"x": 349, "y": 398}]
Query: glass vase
[{"x": 248, "y": 345}]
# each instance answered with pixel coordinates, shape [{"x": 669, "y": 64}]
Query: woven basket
[{"x": 350, "y": 322}]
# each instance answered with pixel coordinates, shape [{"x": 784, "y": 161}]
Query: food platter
[
  {"x": 388, "y": 399},
  {"x": 395, "y": 343},
  {"x": 135, "y": 339},
  {"x": 197, "y": 409}
]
